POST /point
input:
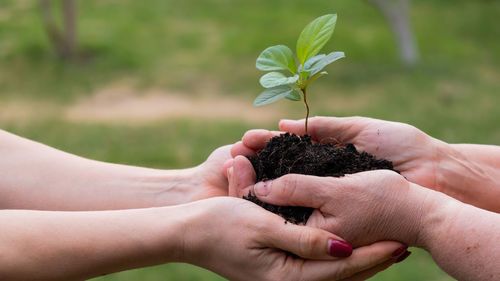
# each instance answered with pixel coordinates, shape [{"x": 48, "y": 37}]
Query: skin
[
  {"x": 49, "y": 245},
  {"x": 467, "y": 172},
  {"x": 90, "y": 218},
  {"x": 383, "y": 205},
  {"x": 55, "y": 180}
]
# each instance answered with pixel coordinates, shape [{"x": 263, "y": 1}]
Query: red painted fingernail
[
  {"x": 339, "y": 249},
  {"x": 403, "y": 256},
  {"x": 399, "y": 251}
]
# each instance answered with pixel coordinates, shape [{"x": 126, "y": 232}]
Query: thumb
[
  {"x": 241, "y": 177},
  {"x": 310, "y": 243}
]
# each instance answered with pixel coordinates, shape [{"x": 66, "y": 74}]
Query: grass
[
  {"x": 191, "y": 47},
  {"x": 173, "y": 43}
]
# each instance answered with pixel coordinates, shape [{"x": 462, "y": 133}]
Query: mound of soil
[{"x": 291, "y": 154}]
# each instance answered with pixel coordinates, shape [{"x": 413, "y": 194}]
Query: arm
[
  {"x": 242, "y": 244},
  {"x": 463, "y": 240},
  {"x": 46, "y": 245},
  {"x": 35, "y": 176}
]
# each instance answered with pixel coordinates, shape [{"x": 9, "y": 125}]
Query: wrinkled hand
[
  {"x": 241, "y": 241},
  {"x": 411, "y": 151},
  {"x": 362, "y": 208}
]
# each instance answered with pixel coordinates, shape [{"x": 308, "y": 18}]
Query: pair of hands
[
  {"x": 241, "y": 241},
  {"x": 411, "y": 152},
  {"x": 364, "y": 207}
]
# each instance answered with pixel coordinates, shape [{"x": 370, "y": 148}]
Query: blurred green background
[{"x": 162, "y": 83}]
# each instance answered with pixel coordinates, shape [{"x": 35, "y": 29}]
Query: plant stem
[{"x": 307, "y": 106}]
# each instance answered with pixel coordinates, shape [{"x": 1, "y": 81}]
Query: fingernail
[
  {"x": 399, "y": 251},
  {"x": 263, "y": 188},
  {"x": 339, "y": 249},
  {"x": 403, "y": 256}
]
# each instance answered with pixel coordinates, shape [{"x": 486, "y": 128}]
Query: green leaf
[
  {"x": 312, "y": 61},
  {"x": 314, "y": 77},
  {"x": 273, "y": 94},
  {"x": 274, "y": 79},
  {"x": 294, "y": 96},
  {"x": 314, "y": 36},
  {"x": 316, "y": 64},
  {"x": 278, "y": 57}
]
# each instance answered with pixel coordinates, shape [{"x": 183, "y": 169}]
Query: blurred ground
[{"x": 162, "y": 83}]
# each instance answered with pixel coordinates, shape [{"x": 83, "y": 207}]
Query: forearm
[
  {"x": 44, "y": 245},
  {"x": 470, "y": 173},
  {"x": 463, "y": 240},
  {"x": 35, "y": 176}
]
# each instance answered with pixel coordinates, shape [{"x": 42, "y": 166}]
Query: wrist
[
  {"x": 174, "y": 223},
  {"x": 169, "y": 187},
  {"x": 197, "y": 224},
  {"x": 456, "y": 175},
  {"x": 438, "y": 212}
]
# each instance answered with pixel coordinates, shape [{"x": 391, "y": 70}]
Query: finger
[
  {"x": 326, "y": 129},
  {"x": 241, "y": 149},
  {"x": 295, "y": 126},
  {"x": 257, "y": 139},
  {"x": 295, "y": 190},
  {"x": 362, "y": 259},
  {"x": 241, "y": 177},
  {"x": 225, "y": 167},
  {"x": 364, "y": 275},
  {"x": 308, "y": 242}
]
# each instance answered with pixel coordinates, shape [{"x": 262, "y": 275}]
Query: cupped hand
[
  {"x": 241, "y": 241},
  {"x": 412, "y": 152},
  {"x": 208, "y": 179},
  {"x": 362, "y": 208}
]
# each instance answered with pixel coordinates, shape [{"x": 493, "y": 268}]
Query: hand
[
  {"x": 363, "y": 207},
  {"x": 241, "y": 241},
  {"x": 208, "y": 180},
  {"x": 412, "y": 152}
]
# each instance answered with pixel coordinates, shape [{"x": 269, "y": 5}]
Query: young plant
[{"x": 308, "y": 68}]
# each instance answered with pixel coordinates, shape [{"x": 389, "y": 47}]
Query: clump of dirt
[{"x": 291, "y": 154}]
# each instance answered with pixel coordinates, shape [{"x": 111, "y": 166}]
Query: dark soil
[{"x": 290, "y": 154}]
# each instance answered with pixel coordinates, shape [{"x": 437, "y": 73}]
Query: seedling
[{"x": 309, "y": 67}]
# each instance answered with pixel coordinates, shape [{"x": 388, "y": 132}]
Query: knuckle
[
  {"x": 307, "y": 243},
  {"x": 288, "y": 185}
]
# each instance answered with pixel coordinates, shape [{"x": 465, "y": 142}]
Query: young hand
[
  {"x": 209, "y": 178},
  {"x": 241, "y": 241}
]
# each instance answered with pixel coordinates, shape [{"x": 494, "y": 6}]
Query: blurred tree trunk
[
  {"x": 398, "y": 15},
  {"x": 63, "y": 39}
]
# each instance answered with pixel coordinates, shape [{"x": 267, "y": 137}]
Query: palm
[
  {"x": 411, "y": 151},
  {"x": 212, "y": 181},
  {"x": 405, "y": 146}
]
